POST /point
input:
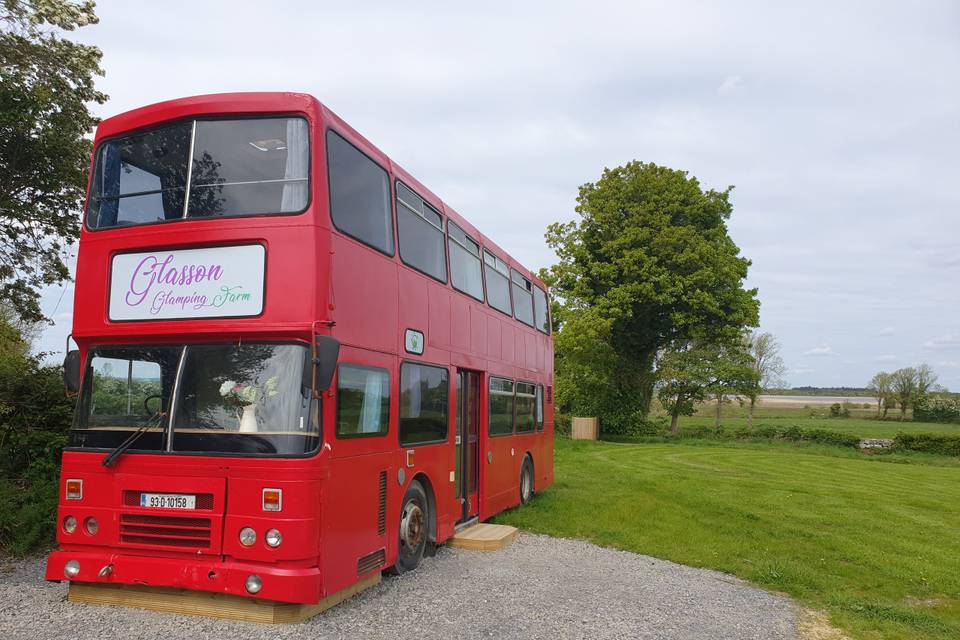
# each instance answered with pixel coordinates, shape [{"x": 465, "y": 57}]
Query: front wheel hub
[{"x": 411, "y": 525}]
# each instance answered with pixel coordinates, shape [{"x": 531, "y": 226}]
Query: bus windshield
[
  {"x": 200, "y": 398},
  {"x": 201, "y": 168}
]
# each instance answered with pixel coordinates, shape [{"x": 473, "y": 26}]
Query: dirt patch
[
  {"x": 815, "y": 625},
  {"x": 923, "y": 602}
]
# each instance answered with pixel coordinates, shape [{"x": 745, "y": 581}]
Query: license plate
[{"x": 168, "y": 501}]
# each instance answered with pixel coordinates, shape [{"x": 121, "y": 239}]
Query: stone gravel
[{"x": 539, "y": 587}]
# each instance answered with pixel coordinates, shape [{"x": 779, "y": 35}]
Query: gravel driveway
[{"x": 539, "y": 587}]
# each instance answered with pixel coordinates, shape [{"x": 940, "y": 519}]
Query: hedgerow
[{"x": 939, "y": 443}]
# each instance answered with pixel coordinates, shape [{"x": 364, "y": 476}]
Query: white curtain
[
  {"x": 372, "y": 399},
  {"x": 414, "y": 388},
  {"x": 294, "y": 195}
]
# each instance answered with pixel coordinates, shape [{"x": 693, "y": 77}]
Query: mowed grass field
[
  {"x": 862, "y": 422},
  {"x": 873, "y": 541}
]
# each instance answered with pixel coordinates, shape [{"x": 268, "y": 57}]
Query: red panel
[
  {"x": 364, "y": 296},
  {"x": 507, "y": 351},
  {"x": 493, "y": 338},
  {"x": 413, "y": 304},
  {"x": 439, "y": 305},
  {"x": 478, "y": 331},
  {"x": 460, "y": 330}
]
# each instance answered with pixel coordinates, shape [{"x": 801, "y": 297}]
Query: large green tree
[
  {"x": 648, "y": 266},
  {"x": 46, "y": 84}
]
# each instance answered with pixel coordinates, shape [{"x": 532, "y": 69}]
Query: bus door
[{"x": 467, "y": 464}]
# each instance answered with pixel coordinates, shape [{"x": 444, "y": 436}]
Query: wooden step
[
  {"x": 484, "y": 537},
  {"x": 208, "y": 603}
]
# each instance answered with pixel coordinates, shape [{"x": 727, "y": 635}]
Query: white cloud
[
  {"x": 887, "y": 331},
  {"x": 949, "y": 341},
  {"x": 517, "y": 113},
  {"x": 820, "y": 352},
  {"x": 801, "y": 371},
  {"x": 885, "y": 358},
  {"x": 729, "y": 85},
  {"x": 948, "y": 364}
]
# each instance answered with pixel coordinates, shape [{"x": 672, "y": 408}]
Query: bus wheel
[
  {"x": 414, "y": 522},
  {"x": 526, "y": 481}
]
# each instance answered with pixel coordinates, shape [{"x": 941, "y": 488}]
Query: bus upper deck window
[{"x": 238, "y": 167}]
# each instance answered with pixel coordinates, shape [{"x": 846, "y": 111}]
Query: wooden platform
[
  {"x": 484, "y": 537},
  {"x": 208, "y": 603}
]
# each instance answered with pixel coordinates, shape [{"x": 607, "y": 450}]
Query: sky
[{"x": 838, "y": 124}]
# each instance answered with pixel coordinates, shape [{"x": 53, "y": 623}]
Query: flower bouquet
[
  {"x": 244, "y": 397},
  {"x": 240, "y": 395}
]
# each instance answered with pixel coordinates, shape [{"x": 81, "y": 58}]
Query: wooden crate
[
  {"x": 585, "y": 429},
  {"x": 484, "y": 537},
  {"x": 208, "y": 603}
]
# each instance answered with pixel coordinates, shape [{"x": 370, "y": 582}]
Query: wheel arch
[{"x": 424, "y": 481}]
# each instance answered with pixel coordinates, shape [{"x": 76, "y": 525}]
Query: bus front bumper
[{"x": 281, "y": 584}]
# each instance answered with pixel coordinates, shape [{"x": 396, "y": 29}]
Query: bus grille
[
  {"x": 382, "y": 506},
  {"x": 371, "y": 561},
  {"x": 165, "y": 531}
]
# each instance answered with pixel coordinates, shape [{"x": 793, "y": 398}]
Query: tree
[
  {"x": 46, "y": 83},
  {"x": 904, "y": 388},
  {"x": 691, "y": 370},
  {"x": 768, "y": 366},
  {"x": 880, "y": 386},
  {"x": 34, "y": 419},
  {"x": 926, "y": 382},
  {"x": 648, "y": 264}
]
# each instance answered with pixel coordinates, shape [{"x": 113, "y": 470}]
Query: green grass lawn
[{"x": 873, "y": 542}]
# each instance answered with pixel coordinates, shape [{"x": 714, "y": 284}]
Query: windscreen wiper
[{"x": 126, "y": 444}]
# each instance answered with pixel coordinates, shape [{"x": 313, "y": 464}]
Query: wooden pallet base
[
  {"x": 484, "y": 537},
  {"x": 207, "y": 603}
]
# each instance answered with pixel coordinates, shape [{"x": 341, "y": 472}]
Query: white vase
[{"x": 248, "y": 420}]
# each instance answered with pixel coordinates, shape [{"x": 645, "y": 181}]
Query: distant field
[
  {"x": 862, "y": 422},
  {"x": 872, "y": 542}
]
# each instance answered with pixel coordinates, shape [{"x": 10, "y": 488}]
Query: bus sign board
[{"x": 213, "y": 282}]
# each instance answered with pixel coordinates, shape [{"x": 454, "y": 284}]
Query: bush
[
  {"x": 646, "y": 428},
  {"x": 938, "y": 409},
  {"x": 938, "y": 443},
  {"x": 785, "y": 434},
  {"x": 561, "y": 424},
  {"x": 34, "y": 418},
  {"x": 824, "y": 436},
  {"x": 838, "y": 410}
]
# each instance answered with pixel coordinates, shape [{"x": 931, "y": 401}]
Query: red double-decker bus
[{"x": 296, "y": 365}]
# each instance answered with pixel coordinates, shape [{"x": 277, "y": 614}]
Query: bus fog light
[
  {"x": 247, "y": 536},
  {"x": 69, "y": 524},
  {"x": 71, "y": 569},
  {"x": 91, "y": 525},
  {"x": 253, "y": 583},
  {"x": 273, "y": 538}
]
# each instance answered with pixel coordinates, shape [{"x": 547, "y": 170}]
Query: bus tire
[
  {"x": 526, "y": 481},
  {"x": 414, "y": 528}
]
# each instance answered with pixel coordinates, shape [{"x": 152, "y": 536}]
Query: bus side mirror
[
  {"x": 71, "y": 371},
  {"x": 318, "y": 370}
]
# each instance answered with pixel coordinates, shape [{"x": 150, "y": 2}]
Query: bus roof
[{"x": 292, "y": 102}]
